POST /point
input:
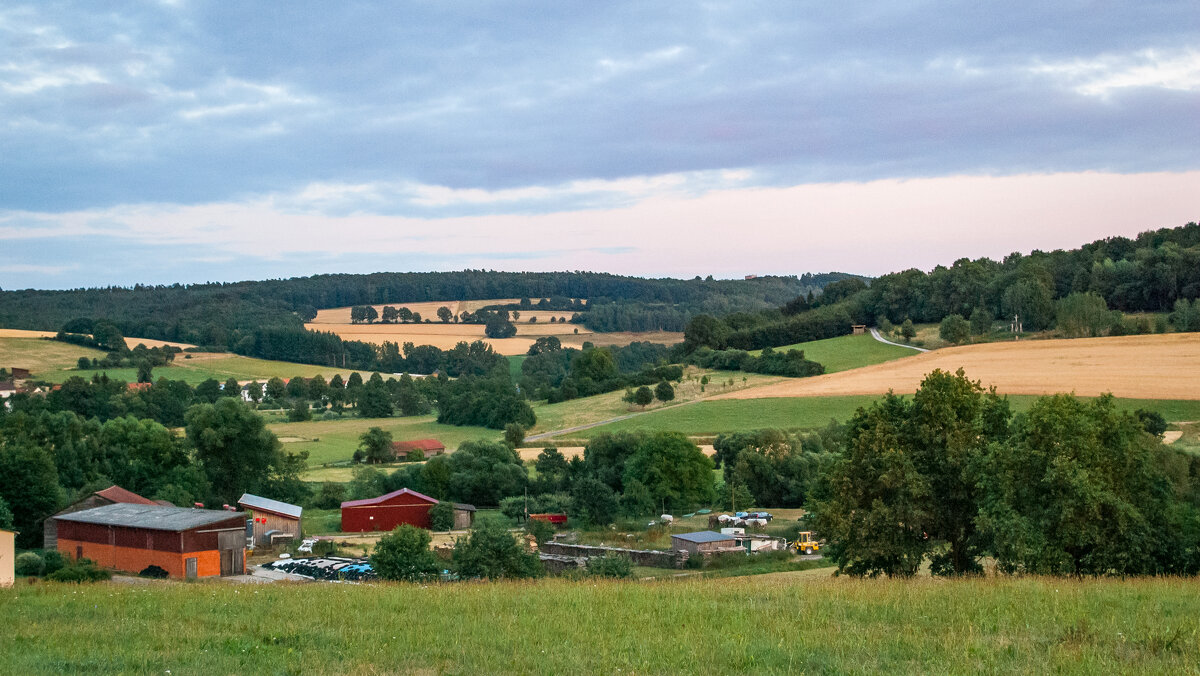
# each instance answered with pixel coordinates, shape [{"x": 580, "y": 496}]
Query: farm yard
[{"x": 1141, "y": 367}]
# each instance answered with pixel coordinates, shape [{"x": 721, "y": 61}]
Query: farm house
[
  {"x": 186, "y": 543},
  {"x": 393, "y": 509},
  {"x": 271, "y": 521},
  {"x": 109, "y": 496},
  {"x": 703, "y": 542},
  {"x": 429, "y": 447}
]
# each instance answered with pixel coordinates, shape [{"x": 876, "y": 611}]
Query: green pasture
[
  {"x": 44, "y": 358},
  {"x": 783, "y": 623},
  {"x": 847, "y": 352},
  {"x": 333, "y": 441},
  {"x": 738, "y": 415}
]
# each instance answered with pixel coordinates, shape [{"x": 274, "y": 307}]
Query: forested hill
[
  {"x": 1158, "y": 271},
  {"x": 211, "y": 314}
]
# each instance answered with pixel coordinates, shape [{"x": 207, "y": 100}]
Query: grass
[
  {"x": 331, "y": 441},
  {"x": 43, "y": 357},
  {"x": 848, "y": 352},
  {"x": 600, "y": 407},
  {"x": 771, "y": 624},
  {"x": 737, "y": 415},
  {"x": 514, "y": 366}
]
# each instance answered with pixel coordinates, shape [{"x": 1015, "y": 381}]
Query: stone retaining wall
[{"x": 641, "y": 557}]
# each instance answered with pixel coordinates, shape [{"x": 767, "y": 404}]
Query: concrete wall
[{"x": 641, "y": 557}]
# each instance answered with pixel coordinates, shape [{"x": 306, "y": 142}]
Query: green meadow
[
  {"x": 784, "y": 623},
  {"x": 848, "y": 352}
]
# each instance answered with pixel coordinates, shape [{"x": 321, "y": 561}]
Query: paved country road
[{"x": 881, "y": 339}]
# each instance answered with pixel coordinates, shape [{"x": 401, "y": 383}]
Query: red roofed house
[
  {"x": 109, "y": 496},
  {"x": 430, "y": 447},
  {"x": 398, "y": 507}
]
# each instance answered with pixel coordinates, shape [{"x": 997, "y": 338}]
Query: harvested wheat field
[
  {"x": 446, "y": 336},
  {"x": 1138, "y": 367},
  {"x": 428, "y": 310}
]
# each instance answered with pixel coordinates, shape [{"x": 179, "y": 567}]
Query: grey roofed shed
[
  {"x": 269, "y": 505},
  {"x": 154, "y": 517},
  {"x": 703, "y": 536}
]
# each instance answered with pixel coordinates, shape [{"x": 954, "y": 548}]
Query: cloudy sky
[{"x": 190, "y": 141}]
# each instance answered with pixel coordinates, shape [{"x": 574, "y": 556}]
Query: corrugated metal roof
[
  {"x": 269, "y": 505},
  {"x": 703, "y": 536},
  {"x": 154, "y": 517},
  {"x": 385, "y": 498},
  {"x": 419, "y": 444},
  {"x": 118, "y": 494}
]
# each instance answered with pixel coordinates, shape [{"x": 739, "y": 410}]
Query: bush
[
  {"x": 330, "y": 496},
  {"x": 324, "y": 548},
  {"x": 404, "y": 554},
  {"x": 29, "y": 564},
  {"x": 441, "y": 516},
  {"x": 612, "y": 566},
  {"x": 53, "y": 561},
  {"x": 540, "y": 530},
  {"x": 154, "y": 572},
  {"x": 415, "y": 455},
  {"x": 955, "y": 329},
  {"x": 83, "y": 570},
  {"x": 491, "y": 552}
]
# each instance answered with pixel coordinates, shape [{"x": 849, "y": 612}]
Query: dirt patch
[
  {"x": 1138, "y": 367},
  {"x": 292, "y": 440},
  {"x": 1172, "y": 436},
  {"x": 531, "y": 454}
]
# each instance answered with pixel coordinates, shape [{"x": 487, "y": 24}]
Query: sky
[{"x": 181, "y": 141}]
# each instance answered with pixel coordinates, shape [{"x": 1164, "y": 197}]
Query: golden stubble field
[
  {"x": 446, "y": 336},
  {"x": 131, "y": 342},
  {"x": 1138, "y": 367}
]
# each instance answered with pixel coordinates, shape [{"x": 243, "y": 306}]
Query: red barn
[{"x": 387, "y": 511}]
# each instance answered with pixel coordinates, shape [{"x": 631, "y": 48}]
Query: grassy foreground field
[
  {"x": 770, "y": 624},
  {"x": 848, "y": 352}
]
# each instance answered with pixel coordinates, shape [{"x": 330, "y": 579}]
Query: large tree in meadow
[{"x": 239, "y": 454}]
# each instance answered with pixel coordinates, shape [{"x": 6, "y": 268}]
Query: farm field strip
[
  {"x": 748, "y": 624},
  {"x": 1143, "y": 367},
  {"x": 727, "y": 415},
  {"x": 331, "y": 441},
  {"x": 847, "y": 352}
]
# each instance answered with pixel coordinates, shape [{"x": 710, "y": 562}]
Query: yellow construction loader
[{"x": 805, "y": 544}]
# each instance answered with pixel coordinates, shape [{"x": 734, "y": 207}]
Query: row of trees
[{"x": 950, "y": 476}]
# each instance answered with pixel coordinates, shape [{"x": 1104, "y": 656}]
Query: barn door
[
  {"x": 226, "y": 562},
  {"x": 190, "y": 568}
]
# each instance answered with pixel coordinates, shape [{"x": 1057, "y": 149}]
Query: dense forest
[
  {"x": 220, "y": 314},
  {"x": 1158, "y": 271}
]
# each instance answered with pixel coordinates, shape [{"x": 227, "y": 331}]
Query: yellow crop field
[
  {"x": 1136, "y": 367},
  {"x": 446, "y": 336},
  {"x": 131, "y": 342}
]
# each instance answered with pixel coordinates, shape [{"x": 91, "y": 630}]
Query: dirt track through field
[{"x": 1139, "y": 367}]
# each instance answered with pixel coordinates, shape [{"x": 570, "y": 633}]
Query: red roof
[
  {"x": 384, "y": 498},
  {"x": 118, "y": 494},
  {"x": 418, "y": 445},
  {"x": 139, "y": 386}
]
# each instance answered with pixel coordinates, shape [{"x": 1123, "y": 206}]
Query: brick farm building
[{"x": 186, "y": 543}]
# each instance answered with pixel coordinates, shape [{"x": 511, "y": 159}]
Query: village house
[
  {"x": 271, "y": 521},
  {"x": 109, "y": 496},
  {"x": 186, "y": 543}
]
